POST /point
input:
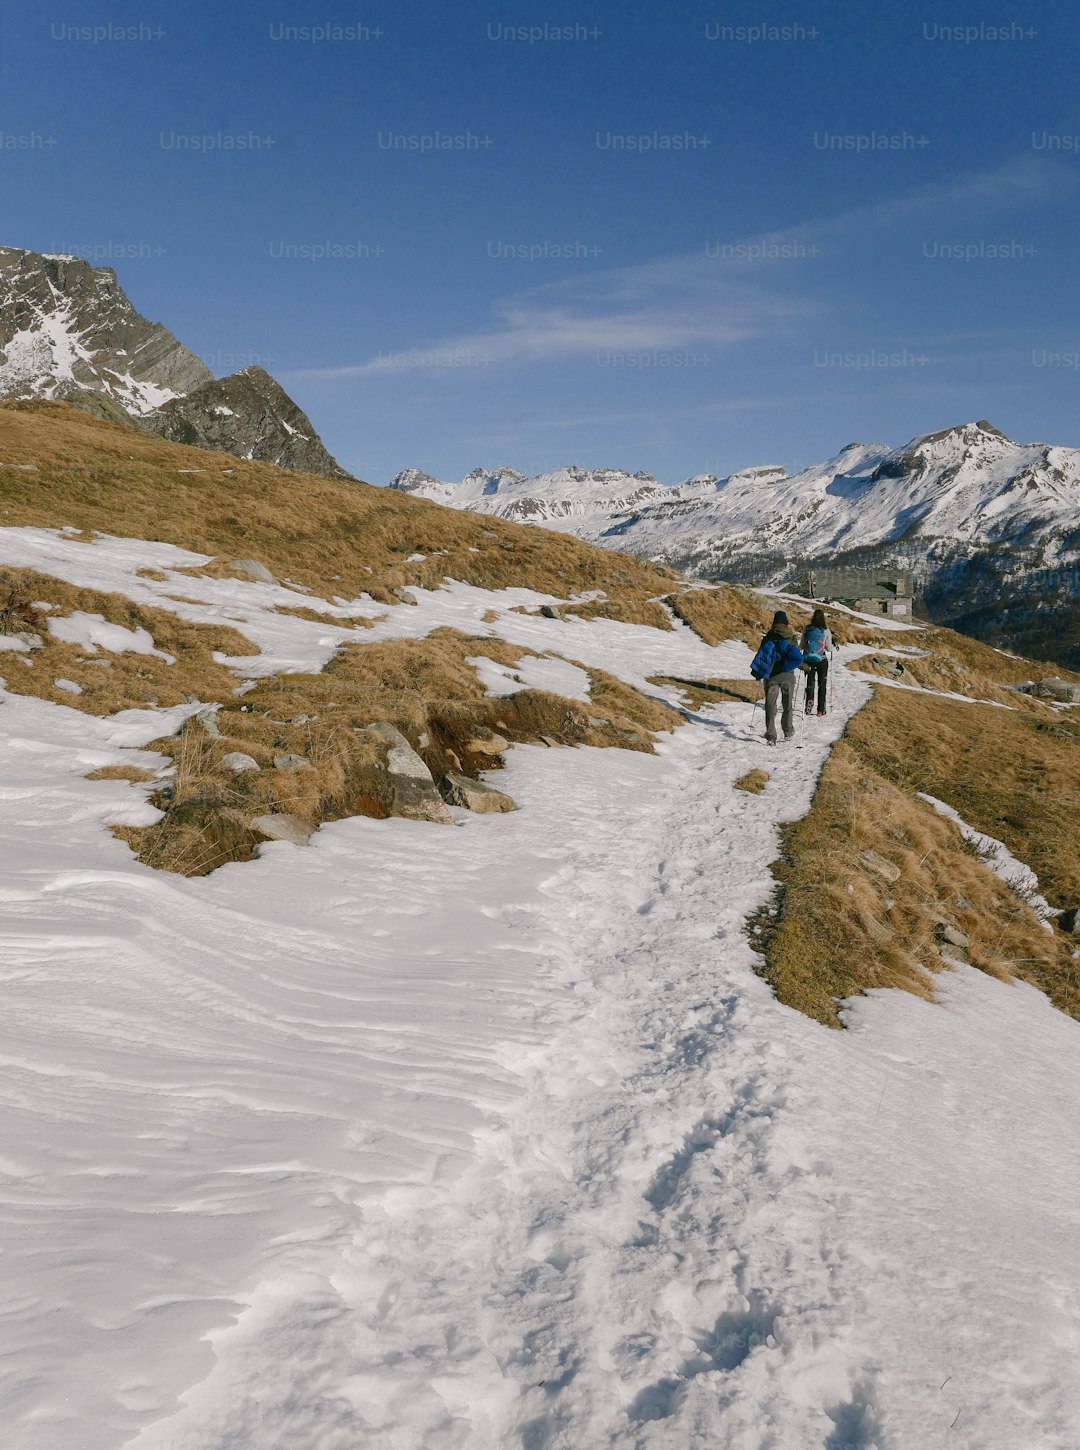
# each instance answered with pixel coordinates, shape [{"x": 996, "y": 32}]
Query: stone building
[{"x": 870, "y": 591}]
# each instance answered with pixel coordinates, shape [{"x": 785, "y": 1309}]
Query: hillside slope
[{"x": 466, "y": 1110}]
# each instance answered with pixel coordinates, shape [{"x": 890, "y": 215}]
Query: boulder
[
  {"x": 950, "y": 935},
  {"x": 549, "y": 611},
  {"x": 1055, "y": 688},
  {"x": 493, "y": 745},
  {"x": 238, "y": 761},
  {"x": 413, "y": 794},
  {"x": 473, "y": 795},
  {"x": 872, "y": 861},
  {"x": 279, "y": 826},
  {"x": 292, "y": 762},
  {"x": 253, "y": 570}
]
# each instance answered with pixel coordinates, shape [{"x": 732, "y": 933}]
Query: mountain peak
[{"x": 69, "y": 332}]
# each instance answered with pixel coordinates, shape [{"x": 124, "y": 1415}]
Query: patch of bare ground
[
  {"x": 423, "y": 687},
  {"x": 699, "y": 693},
  {"x": 753, "y": 782},
  {"x": 135, "y": 773},
  {"x": 875, "y": 890},
  {"x": 109, "y": 680}
]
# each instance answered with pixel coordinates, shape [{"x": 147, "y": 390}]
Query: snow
[
  {"x": 965, "y": 488},
  {"x": 532, "y": 672},
  {"x": 1001, "y": 861},
  {"x": 283, "y": 642},
  {"x": 93, "y": 631},
  {"x": 434, "y": 1139},
  {"x": 70, "y": 686},
  {"x": 13, "y": 642}
]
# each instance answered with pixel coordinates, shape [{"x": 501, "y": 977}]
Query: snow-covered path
[{"x": 489, "y": 1137}]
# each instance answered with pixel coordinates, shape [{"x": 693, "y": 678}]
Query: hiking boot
[
  {"x": 821, "y": 712},
  {"x": 770, "y": 742}
]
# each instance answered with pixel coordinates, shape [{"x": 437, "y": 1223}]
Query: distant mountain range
[
  {"x": 989, "y": 528},
  {"x": 68, "y": 331}
]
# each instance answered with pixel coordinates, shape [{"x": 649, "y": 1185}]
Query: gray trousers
[{"x": 780, "y": 688}]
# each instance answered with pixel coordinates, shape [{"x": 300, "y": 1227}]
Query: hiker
[
  {"x": 817, "y": 645},
  {"x": 776, "y": 661}
]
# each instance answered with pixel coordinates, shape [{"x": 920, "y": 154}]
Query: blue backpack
[{"x": 815, "y": 645}]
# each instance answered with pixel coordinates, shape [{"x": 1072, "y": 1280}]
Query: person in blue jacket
[{"x": 781, "y": 653}]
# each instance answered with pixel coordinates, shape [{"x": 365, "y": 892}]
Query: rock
[
  {"x": 413, "y": 793},
  {"x": 549, "y": 741},
  {"x": 1055, "y": 688},
  {"x": 404, "y": 595},
  {"x": 473, "y": 795},
  {"x": 872, "y": 861},
  {"x": 30, "y": 639},
  {"x": 208, "y": 720},
  {"x": 238, "y": 761},
  {"x": 549, "y": 611},
  {"x": 1070, "y": 920},
  {"x": 252, "y": 569},
  {"x": 951, "y": 935},
  {"x": 597, "y": 722},
  {"x": 292, "y": 762},
  {"x": 283, "y": 827},
  {"x": 494, "y": 745}
]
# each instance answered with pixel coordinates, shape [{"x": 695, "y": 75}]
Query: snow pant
[
  {"x": 817, "y": 672},
  {"x": 780, "y": 688}
]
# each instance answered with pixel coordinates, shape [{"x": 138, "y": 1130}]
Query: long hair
[{"x": 818, "y": 621}]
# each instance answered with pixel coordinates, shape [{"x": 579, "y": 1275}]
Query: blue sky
[{"x": 640, "y": 235}]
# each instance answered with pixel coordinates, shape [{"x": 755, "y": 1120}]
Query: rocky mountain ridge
[{"x": 69, "y": 332}]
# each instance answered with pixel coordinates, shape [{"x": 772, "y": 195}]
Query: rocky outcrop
[
  {"x": 412, "y": 790},
  {"x": 69, "y": 332},
  {"x": 250, "y": 415}
]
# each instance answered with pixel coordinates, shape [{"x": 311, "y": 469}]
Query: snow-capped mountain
[
  {"x": 569, "y": 498},
  {"x": 990, "y": 528},
  {"x": 69, "y": 332}
]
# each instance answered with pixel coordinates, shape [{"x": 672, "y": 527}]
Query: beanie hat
[{"x": 780, "y": 617}]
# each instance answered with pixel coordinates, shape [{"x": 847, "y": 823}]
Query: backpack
[
  {"x": 815, "y": 645},
  {"x": 764, "y": 662}
]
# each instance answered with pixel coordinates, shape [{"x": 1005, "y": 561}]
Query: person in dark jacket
[
  {"x": 817, "y": 645},
  {"x": 780, "y": 686}
]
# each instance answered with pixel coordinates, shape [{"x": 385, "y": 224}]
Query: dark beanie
[{"x": 779, "y": 617}]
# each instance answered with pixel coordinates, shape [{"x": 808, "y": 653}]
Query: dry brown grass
[
  {"x": 753, "y": 782},
  {"x": 1013, "y": 774},
  {"x": 134, "y": 773},
  {"x": 627, "y": 611},
  {"x": 964, "y": 666},
  {"x": 424, "y": 687},
  {"x": 332, "y": 537},
  {"x": 839, "y": 928},
  {"x": 729, "y": 612},
  {"x": 698, "y": 693},
  {"x": 111, "y": 682}
]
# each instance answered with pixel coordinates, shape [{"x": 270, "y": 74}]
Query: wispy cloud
[{"x": 754, "y": 287}]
